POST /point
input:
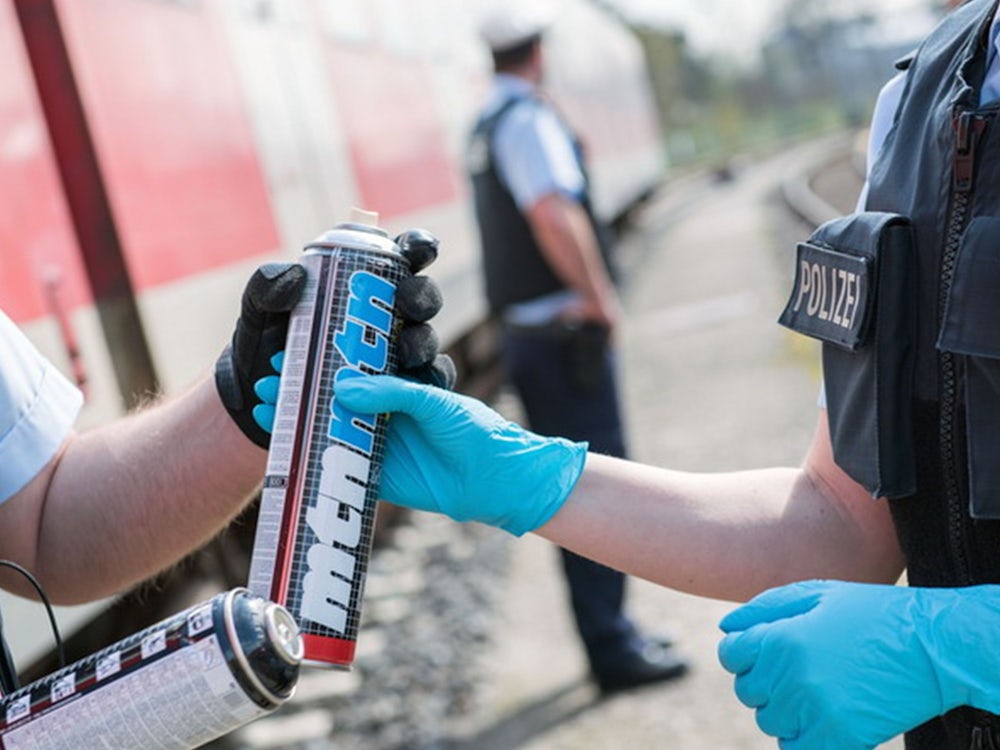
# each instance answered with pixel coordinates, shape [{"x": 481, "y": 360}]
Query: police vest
[
  {"x": 515, "y": 269},
  {"x": 905, "y": 296}
]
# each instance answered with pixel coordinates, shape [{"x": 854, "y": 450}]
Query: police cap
[{"x": 509, "y": 24}]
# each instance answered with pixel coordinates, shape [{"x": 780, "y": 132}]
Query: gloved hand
[
  {"x": 246, "y": 371},
  {"x": 451, "y": 454},
  {"x": 418, "y": 299},
  {"x": 260, "y": 333},
  {"x": 846, "y": 666}
]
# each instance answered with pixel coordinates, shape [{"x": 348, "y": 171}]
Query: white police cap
[{"x": 509, "y": 24}]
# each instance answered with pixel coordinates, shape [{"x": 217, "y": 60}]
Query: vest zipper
[{"x": 968, "y": 128}]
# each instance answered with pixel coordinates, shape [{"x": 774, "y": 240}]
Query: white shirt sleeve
[
  {"x": 535, "y": 156},
  {"x": 37, "y": 409}
]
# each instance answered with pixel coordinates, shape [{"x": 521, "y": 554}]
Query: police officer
[
  {"x": 832, "y": 654},
  {"x": 546, "y": 261}
]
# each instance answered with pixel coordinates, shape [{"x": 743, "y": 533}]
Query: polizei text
[{"x": 830, "y": 294}]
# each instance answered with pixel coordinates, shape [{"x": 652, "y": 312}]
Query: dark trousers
[{"x": 566, "y": 381}]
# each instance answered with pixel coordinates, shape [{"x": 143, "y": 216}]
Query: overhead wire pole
[{"x": 86, "y": 195}]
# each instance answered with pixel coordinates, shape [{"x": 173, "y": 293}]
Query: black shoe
[{"x": 655, "y": 663}]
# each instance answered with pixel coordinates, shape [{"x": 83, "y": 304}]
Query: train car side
[{"x": 227, "y": 133}]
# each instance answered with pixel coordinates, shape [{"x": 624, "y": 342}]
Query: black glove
[
  {"x": 418, "y": 299},
  {"x": 245, "y": 373},
  {"x": 260, "y": 333}
]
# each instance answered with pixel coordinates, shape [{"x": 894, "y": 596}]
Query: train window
[{"x": 346, "y": 20}]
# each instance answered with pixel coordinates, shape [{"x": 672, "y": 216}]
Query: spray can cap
[{"x": 361, "y": 216}]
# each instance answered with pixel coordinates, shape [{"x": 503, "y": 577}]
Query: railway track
[
  {"x": 427, "y": 617},
  {"x": 830, "y": 187}
]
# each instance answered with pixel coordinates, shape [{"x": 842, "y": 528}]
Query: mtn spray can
[
  {"x": 317, "y": 516},
  {"x": 173, "y": 686}
]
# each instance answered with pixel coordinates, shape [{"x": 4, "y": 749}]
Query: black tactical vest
[
  {"x": 933, "y": 432},
  {"x": 515, "y": 270}
]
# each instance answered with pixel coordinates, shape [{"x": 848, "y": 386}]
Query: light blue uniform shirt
[
  {"x": 534, "y": 157},
  {"x": 37, "y": 409},
  {"x": 533, "y": 151},
  {"x": 991, "y": 84}
]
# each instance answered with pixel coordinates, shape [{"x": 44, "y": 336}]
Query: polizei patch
[{"x": 830, "y": 298}]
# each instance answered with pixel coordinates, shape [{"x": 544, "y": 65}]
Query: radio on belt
[
  {"x": 174, "y": 686},
  {"x": 317, "y": 513}
]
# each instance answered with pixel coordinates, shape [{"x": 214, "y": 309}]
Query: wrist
[
  {"x": 562, "y": 462},
  {"x": 959, "y": 639}
]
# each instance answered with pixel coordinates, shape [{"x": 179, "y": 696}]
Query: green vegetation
[{"x": 712, "y": 112}]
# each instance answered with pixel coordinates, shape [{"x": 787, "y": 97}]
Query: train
[{"x": 153, "y": 153}]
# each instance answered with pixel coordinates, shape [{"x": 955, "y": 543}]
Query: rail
[{"x": 814, "y": 205}]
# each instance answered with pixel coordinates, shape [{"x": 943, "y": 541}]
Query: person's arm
[
  {"x": 564, "y": 235},
  {"x": 537, "y": 162},
  {"x": 121, "y": 502},
  {"x": 729, "y": 535}
]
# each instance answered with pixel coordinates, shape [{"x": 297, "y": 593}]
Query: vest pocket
[
  {"x": 971, "y": 313},
  {"x": 867, "y": 261},
  {"x": 970, "y": 328}
]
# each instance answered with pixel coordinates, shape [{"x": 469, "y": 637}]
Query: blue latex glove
[
  {"x": 267, "y": 391},
  {"x": 451, "y": 454},
  {"x": 847, "y": 666}
]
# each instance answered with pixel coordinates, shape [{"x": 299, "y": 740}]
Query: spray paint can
[
  {"x": 176, "y": 685},
  {"x": 317, "y": 515}
]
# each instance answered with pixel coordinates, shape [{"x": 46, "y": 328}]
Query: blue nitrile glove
[
  {"x": 451, "y": 454},
  {"x": 847, "y": 666},
  {"x": 266, "y": 390}
]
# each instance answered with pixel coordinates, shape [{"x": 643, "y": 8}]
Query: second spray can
[{"x": 316, "y": 521}]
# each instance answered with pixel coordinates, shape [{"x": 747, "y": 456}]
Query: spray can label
[
  {"x": 317, "y": 515},
  {"x": 175, "y": 686}
]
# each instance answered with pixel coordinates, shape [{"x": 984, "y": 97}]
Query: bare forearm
[
  {"x": 567, "y": 241},
  {"x": 726, "y": 536},
  {"x": 129, "y": 499}
]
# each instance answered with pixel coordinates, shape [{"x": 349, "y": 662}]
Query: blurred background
[
  {"x": 730, "y": 78},
  {"x": 154, "y": 152}
]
